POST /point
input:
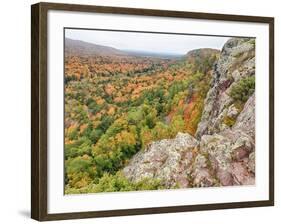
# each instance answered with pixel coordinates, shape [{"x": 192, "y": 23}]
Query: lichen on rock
[
  {"x": 237, "y": 60},
  {"x": 167, "y": 160}
]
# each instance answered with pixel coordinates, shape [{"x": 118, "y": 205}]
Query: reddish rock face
[
  {"x": 240, "y": 153},
  {"x": 203, "y": 178},
  {"x": 182, "y": 181},
  {"x": 251, "y": 163},
  {"x": 225, "y": 177},
  {"x": 241, "y": 174},
  {"x": 224, "y": 84}
]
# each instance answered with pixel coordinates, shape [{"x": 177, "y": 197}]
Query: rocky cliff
[
  {"x": 236, "y": 63},
  {"x": 222, "y": 152}
]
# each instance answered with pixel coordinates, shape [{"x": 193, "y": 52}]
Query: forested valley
[{"x": 117, "y": 104}]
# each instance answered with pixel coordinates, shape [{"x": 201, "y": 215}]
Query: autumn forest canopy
[{"x": 117, "y": 103}]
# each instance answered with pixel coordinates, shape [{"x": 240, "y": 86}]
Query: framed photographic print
[{"x": 139, "y": 111}]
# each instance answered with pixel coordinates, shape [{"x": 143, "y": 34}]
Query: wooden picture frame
[{"x": 39, "y": 110}]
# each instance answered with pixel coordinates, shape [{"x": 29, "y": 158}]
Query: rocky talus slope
[{"x": 221, "y": 153}]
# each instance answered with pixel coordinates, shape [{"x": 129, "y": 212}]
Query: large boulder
[
  {"x": 229, "y": 155},
  {"x": 167, "y": 160}
]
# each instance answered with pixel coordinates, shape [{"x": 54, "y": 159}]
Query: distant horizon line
[{"x": 143, "y": 52}]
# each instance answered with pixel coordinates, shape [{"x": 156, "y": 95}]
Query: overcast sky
[{"x": 147, "y": 42}]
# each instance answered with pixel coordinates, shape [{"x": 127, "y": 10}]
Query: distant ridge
[
  {"x": 200, "y": 54},
  {"x": 82, "y": 48},
  {"x": 153, "y": 54}
]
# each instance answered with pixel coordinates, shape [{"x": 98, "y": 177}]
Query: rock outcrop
[
  {"x": 237, "y": 60},
  {"x": 167, "y": 160},
  {"x": 222, "y": 154}
]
